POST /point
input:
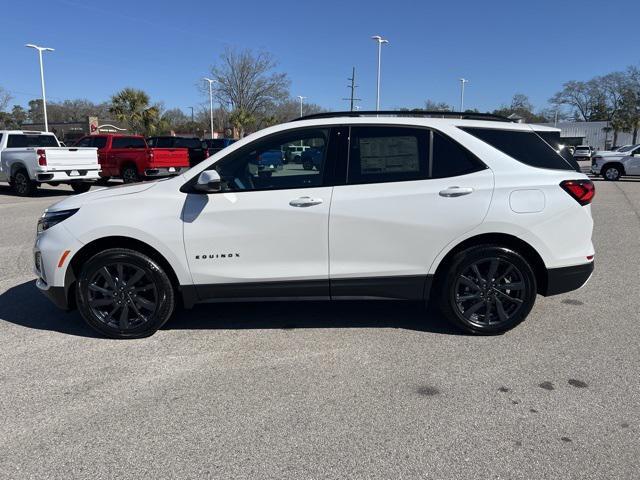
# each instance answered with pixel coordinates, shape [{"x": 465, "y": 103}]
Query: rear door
[{"x": 409, "y": 193}]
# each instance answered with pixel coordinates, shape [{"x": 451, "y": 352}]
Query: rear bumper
[
  {"x": 567, "y": 279},
  {"x": 79, "y": 175},
  {"x": 164, "y": 171}
]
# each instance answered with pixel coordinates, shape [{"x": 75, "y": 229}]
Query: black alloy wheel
[
  {"x": 130, "y": 175},
  {"x": 490, "y": 290},
  {"x": 124, "y": 294}
]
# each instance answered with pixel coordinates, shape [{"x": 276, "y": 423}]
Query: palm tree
[
  {"x": 131, "y": 107},
  {"x": 240, "y": 119}
]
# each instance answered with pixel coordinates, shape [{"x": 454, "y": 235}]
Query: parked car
[
  {"x": 477, "y": 216},
  {"x": 293, "y": 153},
  {"x": 198, "y": 150},
  {"x": 216, "y": 144},
  {"x": 130, "y": 158},
  {"x": 583, "y": 152},
  {"x": 267, "y": 162},
  {"x": 29, "y": 159},
  {"x": 612, "y": 167},
  {"x": 312, "y": 158}
]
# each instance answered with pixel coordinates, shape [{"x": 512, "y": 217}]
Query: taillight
[
  {"x": 42, "y": 157},
  {"x": 582, "y": 191}
]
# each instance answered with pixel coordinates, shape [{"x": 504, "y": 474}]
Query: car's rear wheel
[
  {"x": 22, "y": 185},
  {"x": 611, "y": 173},
  {"x": 487, "y": 290},
  {"x": 81, "y": 187},
  {"x": 130, "y": 174},
  {"x": 307, "y": 165},
  {"x": 123, "y": 293}
]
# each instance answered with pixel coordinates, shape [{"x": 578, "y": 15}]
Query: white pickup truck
[{"x": 28, "y": 159}]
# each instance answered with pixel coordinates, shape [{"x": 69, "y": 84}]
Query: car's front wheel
[
  {"x": 611, "y": 173},
  {"x": 123, "y": 293},
  {"x": 487, "y": 289}
]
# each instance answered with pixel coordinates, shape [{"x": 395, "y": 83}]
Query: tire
[
  {"x": 22, "y": 185},
  {"x": 130, "y": 174},
  {"x": 117, "y": 309},
  {"x": 611, "y": 173},
  {"x": 469, "y": 301},
  {"x": 81, "y": 187},
  {"x": 103, "y": 181},
  {"x": 307, "y": 165}
]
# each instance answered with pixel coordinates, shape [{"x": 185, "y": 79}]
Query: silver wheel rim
[{"x": 611, "y": 173}]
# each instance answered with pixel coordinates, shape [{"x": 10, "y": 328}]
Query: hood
[{"x": 76, "y": 201}]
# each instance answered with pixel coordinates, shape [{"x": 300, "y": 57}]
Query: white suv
[{"x": 475, "y": 213}]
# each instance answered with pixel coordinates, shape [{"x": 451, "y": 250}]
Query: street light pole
[
  {"x": 301, "y": 100},
  {"x": 44, "y": 97},
  {"x": 462, "y": 83},
  {"x": 380, "y": 41},
  {"x": 210, "y": 103}
]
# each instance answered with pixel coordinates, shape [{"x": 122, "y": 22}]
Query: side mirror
[{"x": 208, "y": 182}]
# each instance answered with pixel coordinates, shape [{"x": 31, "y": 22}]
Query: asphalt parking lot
[{"x": 317, "y": 390}]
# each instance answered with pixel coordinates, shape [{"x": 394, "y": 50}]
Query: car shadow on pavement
[
  {"x": 24, "y": 305},
  {"x": 41, "y": 192},
  {"x": 312, "y": 314}
]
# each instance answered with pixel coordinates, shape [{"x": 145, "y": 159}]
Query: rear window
[
  {"x": 23, "y": 141},
  {"x": 128, "y": 142},
  {"x": 526, "y": 147}
]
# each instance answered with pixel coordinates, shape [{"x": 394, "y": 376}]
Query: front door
[{"x": 266, "y": 233}]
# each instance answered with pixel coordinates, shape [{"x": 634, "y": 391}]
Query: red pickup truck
[{"x": 130, "y": 158}]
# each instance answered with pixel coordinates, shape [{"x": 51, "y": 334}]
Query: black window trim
[
  {"x": 432, "y": 132},
  {"x": 326, "y": 181}
]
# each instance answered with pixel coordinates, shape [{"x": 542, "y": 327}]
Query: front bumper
[
  {"x": 567, "y": 279},
  {"x": 54, "y": 277}
]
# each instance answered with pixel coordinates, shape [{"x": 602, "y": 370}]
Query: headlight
[{"x": 49, "y": 219}]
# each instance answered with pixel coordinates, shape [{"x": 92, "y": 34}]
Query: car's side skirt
[{"x": 409, "y": 287}]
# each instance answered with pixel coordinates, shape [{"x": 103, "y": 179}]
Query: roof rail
[{"x": 409, "y": 113}]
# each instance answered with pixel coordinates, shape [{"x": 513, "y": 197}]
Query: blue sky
[{"x": 502, "y": 47}]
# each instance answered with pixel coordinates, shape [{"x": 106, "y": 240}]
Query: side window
[
  {"x": 120, "y": 142},
  {"x": 152, "y": 142},
  {"x": 450, "y": 159},
  {"x": 388, "y": 154},
  {"x": 84, "y": 142},
  {"x": 99, "y": 142},
  {"x": 263, "y": 164}
]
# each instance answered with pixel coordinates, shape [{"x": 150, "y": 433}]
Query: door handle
[
  {"x": 455, "y": 192},
  {"x": 305, "y": 202}
]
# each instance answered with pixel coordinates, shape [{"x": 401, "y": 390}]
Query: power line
[{"x": 353, "y": 87}]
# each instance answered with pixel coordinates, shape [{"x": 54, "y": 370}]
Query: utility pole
[
  {"x": 380, "y": 42},
  {"x": 44, "y": 97},
  {"x": 353, "y": 87},
  {"x": 193, "y": 125},
  {"x": 301, "y": 102},
  {"x": 210, "y": 103},
  {"x": 462, "y": 83}
]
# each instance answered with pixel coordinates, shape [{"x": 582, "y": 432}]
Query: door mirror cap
[{"x": 208, "y": 182}]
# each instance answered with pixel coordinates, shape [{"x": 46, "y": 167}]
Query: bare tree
[
  {"x": 432, "y": 106},
  {"x": 5, "y": 99},
  {"x": 246, "y": 82}
]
